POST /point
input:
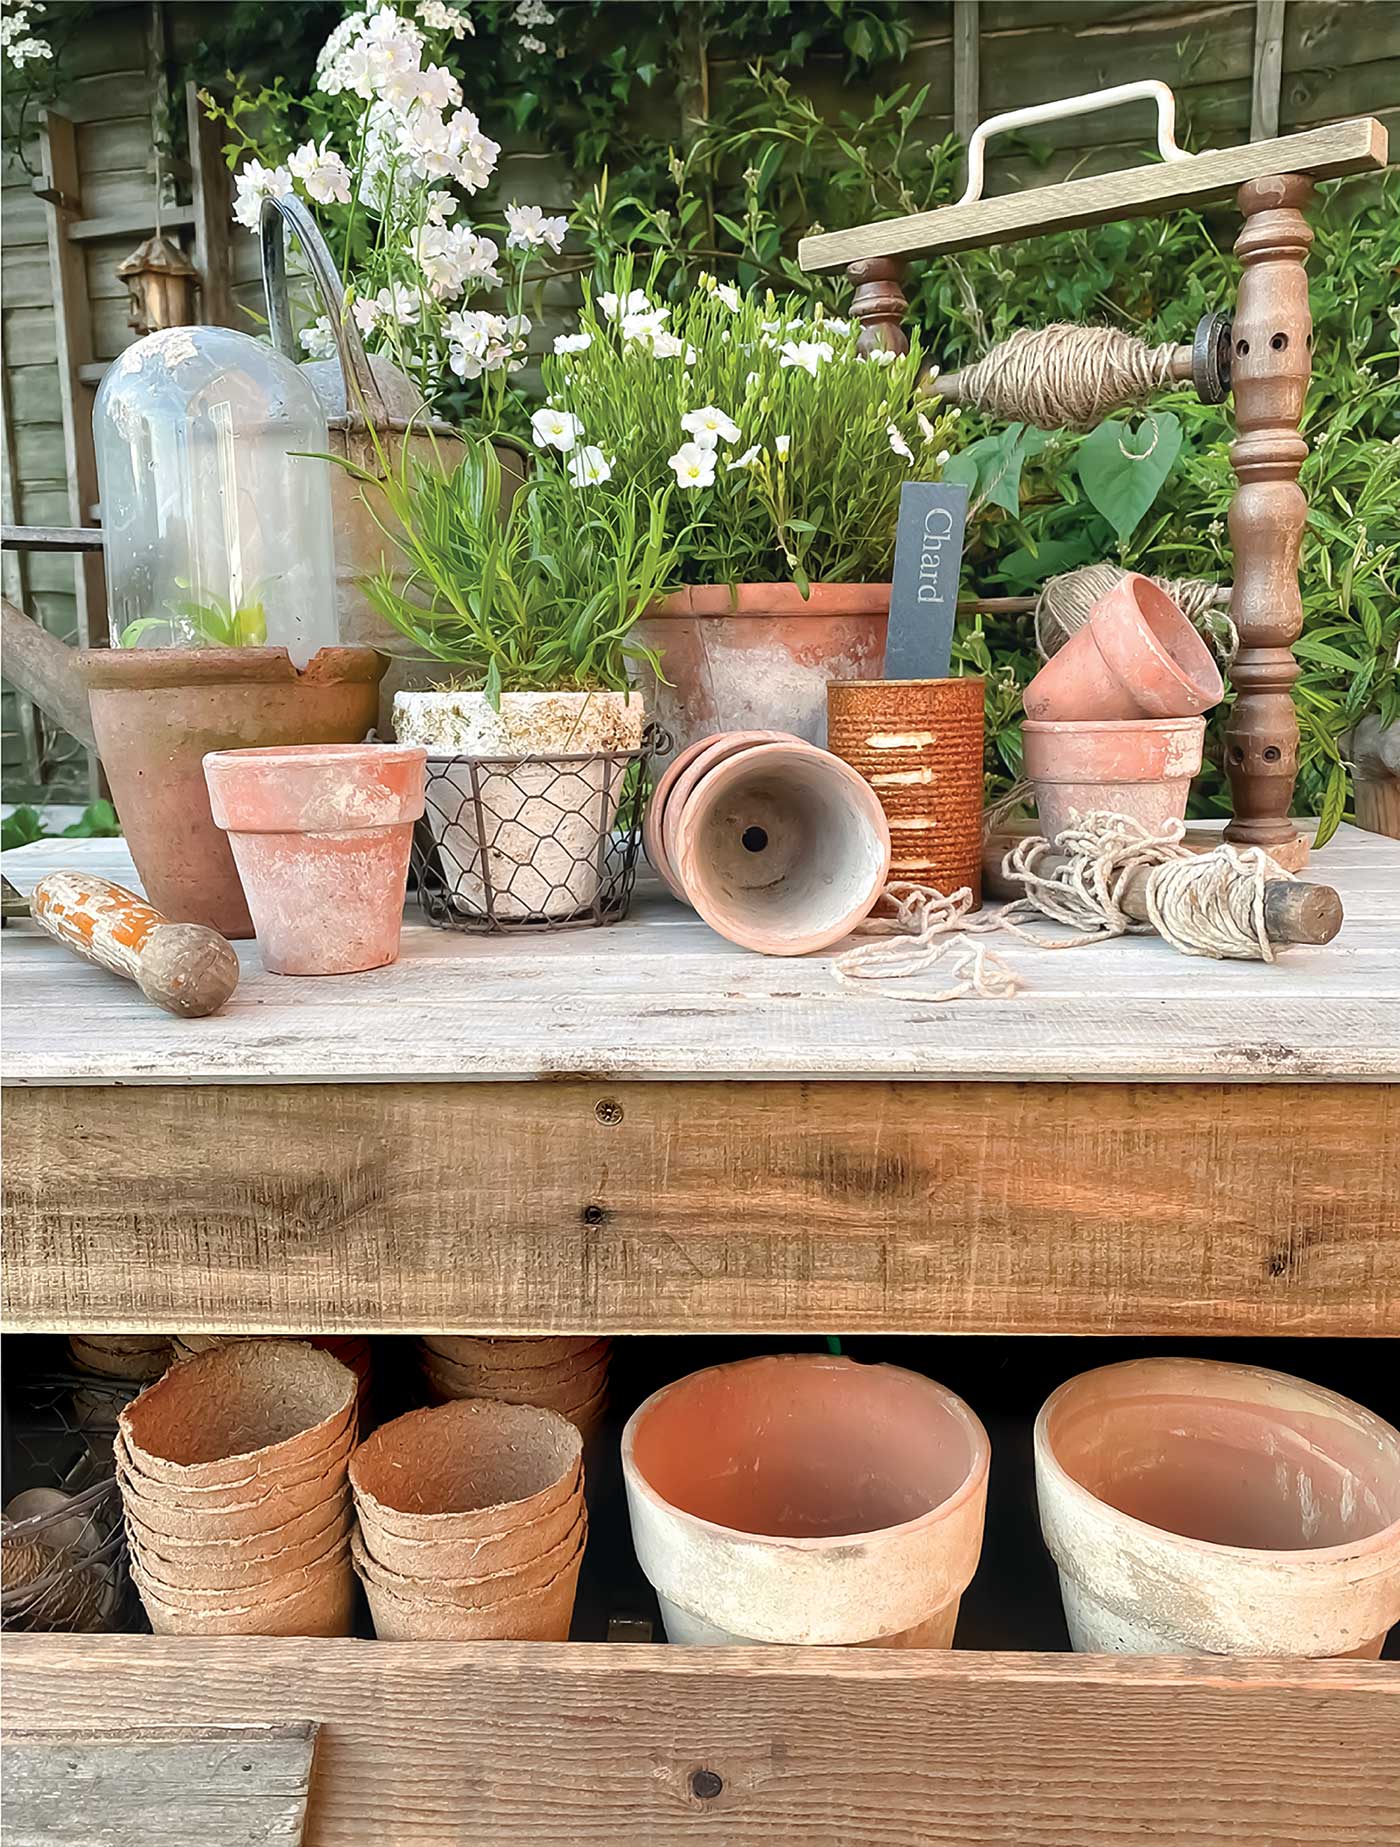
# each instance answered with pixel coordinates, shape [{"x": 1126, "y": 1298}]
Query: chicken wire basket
[
  {"x": 62, "y": 1541},
  {"x": 532, "y": 843}
]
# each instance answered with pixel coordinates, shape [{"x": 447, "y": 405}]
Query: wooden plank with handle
[{"x": 188, "y": 969}]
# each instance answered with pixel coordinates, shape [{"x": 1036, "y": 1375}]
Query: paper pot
[
  {"x": 466, "y": 1469},
  {"x": 1197, "y": 1507},
  {"x": 760, "y": 658},
  {"x": 782, "y": 848},
  {"x": 238, "y": 1412},
  {"x": 1136, "y": 657},
  {"x": 918, "y": 743},
  {"x": 263, "y": 1500},
  {"x": 536, "y": 832},
  {"x": 1138, "y": 767},
  {"x": 589, "y": 1356},
  {"x": 508, "y": 1550},
  {"x": 274, "y": 1507},
  {"x": 321, "y": 835},
  {"x": 476, "y": 1592},
  {"x": 542, "y": 1615},
  {"x": 509, "y": 1350},
  {"x": 801, "y": 1498},
  {"x": 121, "y": 1356},
  {"x": 324, "y": 1607},
  {"x": 220, "y": 1536},
  {"x": 235, "y": 1564}
]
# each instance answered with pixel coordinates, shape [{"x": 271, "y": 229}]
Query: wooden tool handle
[
  {"x": 186, "y": 968},
  {"x": 1294, "y": 911}
]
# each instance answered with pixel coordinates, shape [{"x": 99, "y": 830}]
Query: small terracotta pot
[
  {"x": 542, "y": 1615},
  {"x": 654, "y": 821},
  {"x": 759, "y": 657},
  {"x": 780, "y": 848},
  {"x": 1141, "y": 767},
  {"x": 1197, "y": 1507},
  {"x": 801, "y": 1498},
  {"x": 918, "y": 743},
  {"x": 1136, "y": 657},
  {"x": 466, "y": 1469},
  {"x": 237, "y": 1412},
  {"x": 156, "y": 712},
  {"x": 321, "y": 836}
]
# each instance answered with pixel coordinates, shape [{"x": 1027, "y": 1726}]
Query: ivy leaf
[
  {"x": 1333, "y": 805},
  {"x": 1123, "y": 470}
]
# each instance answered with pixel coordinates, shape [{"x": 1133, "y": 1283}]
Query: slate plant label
[{"x": 924, "y": 593}]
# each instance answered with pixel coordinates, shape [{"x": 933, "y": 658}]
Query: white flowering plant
[
  {"x": 389, "y": 157},
  {"x": 785, "y": 448},
  {"x": 535, "y": 592}
]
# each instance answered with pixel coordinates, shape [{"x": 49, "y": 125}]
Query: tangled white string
[{"x": 1203, "y": 904}]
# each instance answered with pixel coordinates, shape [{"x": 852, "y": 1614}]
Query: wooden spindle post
[
  {"x": 1272, "y": 363},
  {"x": 880, "y": 304}
]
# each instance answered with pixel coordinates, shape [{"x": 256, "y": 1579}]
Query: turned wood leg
[
  {"x": 1272, "y": 362},
  {"x": 879, "y": 304}
]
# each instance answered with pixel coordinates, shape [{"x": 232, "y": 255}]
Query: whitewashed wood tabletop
[{"x": 660, "y": 996}]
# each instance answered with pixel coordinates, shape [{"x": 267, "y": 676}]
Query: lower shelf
[{"x": 426, "y": 1744}]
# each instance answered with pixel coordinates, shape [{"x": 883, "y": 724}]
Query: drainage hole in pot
[{"x": 754, "y": 839}]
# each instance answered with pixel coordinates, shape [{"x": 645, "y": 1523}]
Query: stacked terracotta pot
[
  {"x": 779, "y": 846},
  {"x": 233, "y": 1472},
  {"x": 564, "y": 1373},
  {"x": 1113, "y": 719},
  {"x": 471, "y": 1523}
]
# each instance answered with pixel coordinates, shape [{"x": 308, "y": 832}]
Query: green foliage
[
  {"x": 25, "y": 825},
  {"x": 803, "y": 482},
  {"x": 538, "y": 598},
  {"x": 211, "y": 622}
]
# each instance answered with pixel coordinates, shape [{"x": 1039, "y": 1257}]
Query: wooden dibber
[
  {"x": 188, "y": 969},
  {"x": 1294, "y": 911}
]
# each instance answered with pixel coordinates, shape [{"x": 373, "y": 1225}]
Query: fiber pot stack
[
  {"x": 471, "y": 1523},
  {"x": 564, "y": 1373},
  {"x": 352, "y": 1350},
  {"x": 1114, "y": 718},
  {"x": 117, "y": 1367},
  {"x": 779, "y": 846},
  {"x": 233, "y": 1473}
]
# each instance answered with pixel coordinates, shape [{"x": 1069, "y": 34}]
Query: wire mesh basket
[
  {"x": 62, "y": 1543},
  {"x": 532, "y": 843}
]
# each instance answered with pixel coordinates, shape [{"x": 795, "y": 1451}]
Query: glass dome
[{"x": 217, "y": 532}]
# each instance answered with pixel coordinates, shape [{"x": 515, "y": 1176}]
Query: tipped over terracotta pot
[
  {"x": 1136, "y": 657},
  {"x": 802, "y": 1498},
  {"x": 1199, "y": 1507}
]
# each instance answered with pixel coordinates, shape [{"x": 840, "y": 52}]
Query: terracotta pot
[
  {"x": 323, "y": 1607},
  {"x": 801, "y": 1498},
  {"x": 918, "y": 743},
  {"x": 508, "y": 1550},
  {"x": 476, "y": 1593},
  {"x": 1136, "y": 657},
  {"x": 780, "y": 848},
  {"x": 542, "y": 1615},
  {"x": 465, "y": 1469},
  {"x": 157, "y": 712},
  {"x": 1140, "y": 767},
  {"x": 759, "y": 657},
  {"x": 536, "y": 836},
  {"x": 1195, "y": 1507},
  {"x": 239, "y": 1412},
  {"x": 240, "y": 1565},
  {"x": 654, "y": 821},
  {"x": 321, "y": 836}
]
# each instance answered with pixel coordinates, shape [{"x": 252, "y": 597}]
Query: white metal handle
[{"x": 1148, "y": 88}]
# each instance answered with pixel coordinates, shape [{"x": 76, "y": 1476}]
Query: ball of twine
[{"x": 1065, "y": 603}]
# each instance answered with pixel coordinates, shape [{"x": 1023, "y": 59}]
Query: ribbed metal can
[{"x": 918, "y": 743}]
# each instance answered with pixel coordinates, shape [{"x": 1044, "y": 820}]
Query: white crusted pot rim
[{"x": 563, "y": 723}]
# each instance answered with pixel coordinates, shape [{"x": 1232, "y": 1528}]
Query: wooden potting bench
[{"x": 644, "y": 1129}]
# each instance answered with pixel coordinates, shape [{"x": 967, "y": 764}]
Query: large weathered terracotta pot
[
  {"x": 760, "y": 657},
  {"x": 157, "y": 712}
]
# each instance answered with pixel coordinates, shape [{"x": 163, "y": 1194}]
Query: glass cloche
[{"x": 216, "y": 514}]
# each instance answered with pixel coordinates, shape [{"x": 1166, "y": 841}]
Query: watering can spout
[{"x": 40, "y": 665}]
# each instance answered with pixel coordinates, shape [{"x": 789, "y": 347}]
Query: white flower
[
  {"x": 729, "y": 295},
  {"x": 528, "y": 42},
  {"x": 533, "y": 13},
  {"x": 439, "y": 206},
  {"x": 440, "y": 18},
  {"x": 711, "y": 422},
  {"x": 255, "y": 183},
  {"x": 454, "y": 148},
  {"x": 322, "y": 172},
  {"x": 616, "y": 306},
  {"x": 450, "y": 256},
  {"x": 694, "y": 466},
  {"x": 18, "y": 45},
  {"x": 572, "y": 342},
  {"x": 529, "y": 228},
  {"x": 318, "y": 339},
  {"x": 398, "y": 303},
  {"x": 751, "y": 381},
  {"x": 746, "y": 460},
  {"x": 809, "y": 354},
  {"x": 438, "y": 89},
  {"x": 942, "y": 458},
  {"x": 366, "y": 315},
  {"x": 926, "y": 429},
  {"x": 834, "y": 324},
  {"x": 589, "y": 466},
  {"x": 897, "y": 442},
  {"x": 882, "y": 356},
  {"x": 782, "y": 444},
  {"x": 556, "y": 429},
  {"x": 642, "y": 323}
]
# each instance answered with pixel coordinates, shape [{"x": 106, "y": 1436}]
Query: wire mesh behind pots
[{"x": 531, "y": 843}]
